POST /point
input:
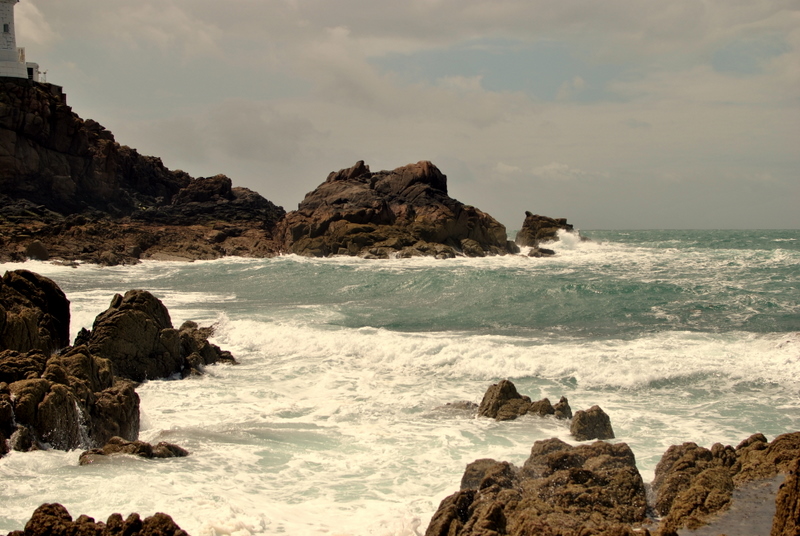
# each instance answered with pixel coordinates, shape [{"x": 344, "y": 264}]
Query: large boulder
[
  {"x": 592, "y": 423},
  {"x": 54, "y": 520},
  {"x": 34, "y": 313},
  {"x": 405, "y": 212},
  {"x": 590, "y": 489},
  {"x": 136, "y": 334}
]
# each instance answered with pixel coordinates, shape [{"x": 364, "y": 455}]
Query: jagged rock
[
  {"x": 118, "y": 445},
  {"x": 502, "y": 402},
  {"x": 135, "y": 333},
  {"x": 536, "y": 229},
  {"x": 34, "y": 313},
  {"x": 54, "y": 520},
  {"x": 787, "y": 505},
  {"x": 592, "y": 423},
  {"x": 692, "y": 483},
  {"x": 590, "y": 489},
  {"x": 404, "y": 212}
]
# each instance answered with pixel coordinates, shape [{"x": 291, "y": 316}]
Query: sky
[{"x": 616, "y": 114}]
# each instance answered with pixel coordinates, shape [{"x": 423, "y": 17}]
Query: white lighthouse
[{"x": 12, "y": 59}]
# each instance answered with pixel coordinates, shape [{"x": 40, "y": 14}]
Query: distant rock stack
[
  {"x": 405, "y": 212},
  {"x": 538, "y": 229}
]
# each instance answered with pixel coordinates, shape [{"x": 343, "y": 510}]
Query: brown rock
[
  {"x": 502, "y": 402},
  {"x": 593, "y": 423}
]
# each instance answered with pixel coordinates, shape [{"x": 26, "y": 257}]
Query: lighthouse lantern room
[{"x": 12, "y": 59}]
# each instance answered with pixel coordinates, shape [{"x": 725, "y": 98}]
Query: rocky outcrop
[
  {"x": 70, "y": 191},
  {"x": 692, "y": 483},
  {"x": 565, "y": 490},
  {"x": 34, "y": 313},
  {"x": 136, "y": 334},
  {"x": 405, "y": 212},
  {"x": 538, "y": 229},
  {"x": 66, "y": 401},
  {"x": 54, "y": 520},
  {"x": 117, "y": 446}
]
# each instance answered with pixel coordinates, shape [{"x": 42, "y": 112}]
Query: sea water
[{"x": 335, "y": 421}]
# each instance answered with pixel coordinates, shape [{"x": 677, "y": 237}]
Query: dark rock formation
[
  {"x": 404, "y": 212},
  {"x": 692, "y": 484},
  {"x": 119, "y": 446},
  {"x": 34, "y": 313},
  {"x": 537, "y": 229},
  {"x": 54, "y": 520},
  {"x": 502, "y": 402},
  {"x": 787, "y": 505},
  {"x": 70, "y": 191},
  {"x": 561, "y": 490},
  {"x": 591, "y": 424}
]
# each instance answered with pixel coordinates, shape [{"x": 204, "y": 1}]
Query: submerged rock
[
  {"x": 119, "y": 446},
  {"x": 405, "y": 212}
]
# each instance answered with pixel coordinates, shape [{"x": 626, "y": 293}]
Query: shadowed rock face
[
  {"x": 590, "y": 489},
  {"x": 34, "y": 313},
  {"x": 537, "y": 229},
  {"x": 68, "y": 190},
  {"x": 404, "y": 212}
]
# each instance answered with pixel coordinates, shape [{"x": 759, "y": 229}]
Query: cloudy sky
[{"x": 615, "y": 114}]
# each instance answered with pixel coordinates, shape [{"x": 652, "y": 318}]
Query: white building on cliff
[{"x": 12, "y": 59}]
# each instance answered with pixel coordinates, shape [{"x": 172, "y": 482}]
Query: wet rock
[
  {"x": 537, "y": 229},
  {"x": 405, "y": 212},
  {"x": 592, "y": 423},
  {"x": 37, "y": 251},
  {"x": 120, "y": 446},
  {"x": 590, "y": 489},
  {"x": 54, "y": 520}
]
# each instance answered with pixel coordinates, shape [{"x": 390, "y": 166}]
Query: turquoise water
[{"x": 335, "y": 420}]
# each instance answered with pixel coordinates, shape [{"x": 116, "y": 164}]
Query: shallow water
[{"x": 333, "y": 423}]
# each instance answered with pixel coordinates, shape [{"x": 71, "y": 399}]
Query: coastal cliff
[{"x": 68, "y": 190}]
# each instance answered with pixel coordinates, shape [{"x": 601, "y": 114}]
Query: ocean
[{"x": 336, "y": 421}]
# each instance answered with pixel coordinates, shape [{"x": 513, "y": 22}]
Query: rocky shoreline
[{"x": 62, "y": 396}]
